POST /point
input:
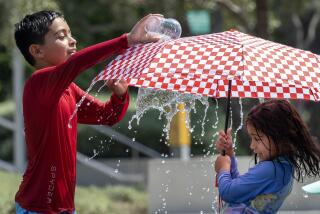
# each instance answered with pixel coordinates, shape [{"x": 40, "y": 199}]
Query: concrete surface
[{"x": 176, "y": 186}]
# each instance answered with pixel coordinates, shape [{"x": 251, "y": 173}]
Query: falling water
[
  {"x": 95, "y": 153},
  {"x": 240, "y": 125},
  {"x": 80, "y": 103},
  {"x": 215, "y": 125},
  {"x": 167, "y": 104},
  {"x": 231, "y": 115}
]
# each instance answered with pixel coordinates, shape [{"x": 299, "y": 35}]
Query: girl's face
[{"x": 260, "y": 144}]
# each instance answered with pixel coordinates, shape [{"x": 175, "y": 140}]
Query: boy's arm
[
  {"x": 93, "y": 111},
  {"x": 59, "y": 77},
  {"x": 256, "y": 181}
]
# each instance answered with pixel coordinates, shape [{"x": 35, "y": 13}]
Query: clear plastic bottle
[{"x": 167, "y": 28}]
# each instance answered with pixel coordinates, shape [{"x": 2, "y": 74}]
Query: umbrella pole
[
  {"x": 220, "y": 203},
  {"x": 226, "y": 124}
]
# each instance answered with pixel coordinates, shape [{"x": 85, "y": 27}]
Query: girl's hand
[
  {"x": 224, "y": 142},
  {"x": 222, "y": 163},
  {"x": 138, "y": 33},
  {"x": 119, "y": 87}
]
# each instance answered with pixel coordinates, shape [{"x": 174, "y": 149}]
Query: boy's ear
[{"x": 36, "y": 51}]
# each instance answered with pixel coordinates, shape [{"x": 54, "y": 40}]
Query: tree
[{"x": 10, "y": 13}]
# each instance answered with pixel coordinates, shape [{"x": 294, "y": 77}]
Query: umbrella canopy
[{"x": 205, "y": 64}]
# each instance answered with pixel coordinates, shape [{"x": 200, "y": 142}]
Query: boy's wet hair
[
  {"x": 32, "y": 30},
  {"x": 281, "y": 123}
]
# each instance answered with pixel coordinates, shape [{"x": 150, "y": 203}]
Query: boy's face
[
  {"x": 260, "y": 144},
  {"x": 58, "y": 45}
]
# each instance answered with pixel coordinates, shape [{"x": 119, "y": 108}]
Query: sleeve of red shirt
[
  {"x": 93, "y": 111},
  {"x": 53, "y": 81}
]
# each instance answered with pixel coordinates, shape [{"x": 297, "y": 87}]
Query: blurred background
[{"x": 121, "y": 159}]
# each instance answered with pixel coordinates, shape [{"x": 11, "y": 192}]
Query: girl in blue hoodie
[{"x": 284, "y": 150}]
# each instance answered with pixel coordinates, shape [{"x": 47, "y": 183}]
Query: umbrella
[
  {"x": 204, "y": 65},
  {"x": 225, "y": 64}
]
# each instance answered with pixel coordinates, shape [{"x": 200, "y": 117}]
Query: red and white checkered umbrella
[{"x": 204, "y": 64}]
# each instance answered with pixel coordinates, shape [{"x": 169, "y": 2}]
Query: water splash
[
  {"x": 95, "y": 153},
  {"x": 206, "y": 104},
  {"x": 167, "y": 104},
  {"x": 101, "y": 87},
  {"x": 215, "y": 125},
  {"x": 231, "y": 115},
  {"x": 240, "y": 125},
  {"x": 80, "y": 103}
]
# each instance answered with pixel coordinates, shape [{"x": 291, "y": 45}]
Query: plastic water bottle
[{"x": 166, "y": 28}]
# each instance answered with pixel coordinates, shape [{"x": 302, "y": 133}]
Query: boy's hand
[
  {"x": 224, "y": 142},
  {"x": 119, "y": 87},
  {"x": 138, "y": 33},
  {"x": 222, "y": 163}
]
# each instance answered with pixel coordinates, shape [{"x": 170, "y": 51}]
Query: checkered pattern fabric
[{"x": 203, "y": 65}]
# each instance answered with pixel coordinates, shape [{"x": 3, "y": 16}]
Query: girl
[{"x": 285, "y": 150}]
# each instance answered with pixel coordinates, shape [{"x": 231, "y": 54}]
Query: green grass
[
  {"x": 8, "y": 185},
  {"x": 89, "y": 200},
  {"x": 6, "y": 107}
]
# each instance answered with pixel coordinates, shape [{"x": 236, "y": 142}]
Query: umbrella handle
[{"x": 226, "y": 124}]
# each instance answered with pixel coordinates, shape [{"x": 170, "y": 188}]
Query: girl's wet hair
[
  {"x": 282, "y": 124},
  {"x": 32, "y": 30}
]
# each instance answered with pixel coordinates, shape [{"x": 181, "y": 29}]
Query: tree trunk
[{"x": 262, "y": 26}]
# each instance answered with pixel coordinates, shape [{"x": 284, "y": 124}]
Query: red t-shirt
[{"x": 49, "y": 99}]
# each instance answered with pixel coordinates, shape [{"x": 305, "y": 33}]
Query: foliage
[
  {"x": 112, "y": 199},
  {"x": 15, "y": 10},
  {"x": 5, "y": 77},
  {"x": 8, "y": 185},
  {"x": 89, "y": 200}
]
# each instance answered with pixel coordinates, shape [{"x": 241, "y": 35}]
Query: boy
[{"x": 49, "y": 99}]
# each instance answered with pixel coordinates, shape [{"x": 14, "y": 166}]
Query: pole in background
[
  {"x": 179, "y": 136},
  {"x": 19, "y": 154}
]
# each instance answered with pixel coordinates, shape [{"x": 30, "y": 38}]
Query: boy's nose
[{"x": 72, "y": 41}]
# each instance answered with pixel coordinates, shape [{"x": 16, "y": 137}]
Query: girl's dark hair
[
  {"x": 32, "y": 29},
  {"x": 281, "y": 123}
]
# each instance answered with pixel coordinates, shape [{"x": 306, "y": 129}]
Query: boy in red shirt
[{"x": 49, "y": 99}]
